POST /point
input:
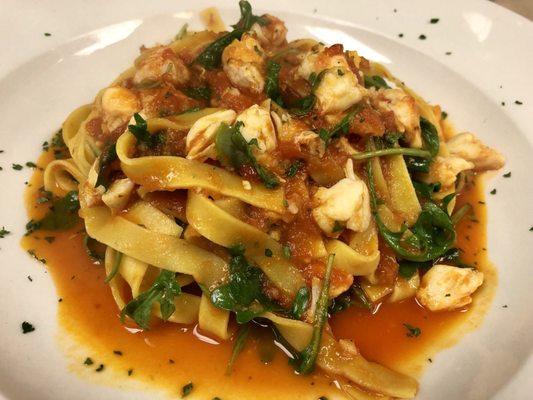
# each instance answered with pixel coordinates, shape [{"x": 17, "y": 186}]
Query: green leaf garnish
[
  {"x": 238, "y": 346},
  {"x": 162, "y": 291},
  {"x": 199, "y": 93},
  {"x": 233, "y": 150},
  {"x": 375, "y": 81},
  {"x": 300, "y": 303},
  {"x": 272, "y": 82},
  {"x": 243, "y": 294},
  {"x": 310, "y": 353},
  {"x": 141, "y": 133},
  {"x": 210, "y": 57},
  {"x": 108, "y": 156}
]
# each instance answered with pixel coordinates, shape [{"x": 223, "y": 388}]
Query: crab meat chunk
[
  {"x": 338, "y": 88},
  {"x": 200, "y": 141},
  {"x": 466, "y": 145},
  {"x": 257, "y": 124},
  {"x": 271, "y": 34},
  {"x": 160, "y": 63},
  {"x": 118, "y": 106},
  {"x": 346, "y": 203},
  {"x": 243, "y": 62},
  {"x": 118, "y": 194},
  {"x": 337, "y": 91},
  {"x": 445, "y": 287},
  {"x": 406, "y": 114},
  {"x": 446, "y": 169}
]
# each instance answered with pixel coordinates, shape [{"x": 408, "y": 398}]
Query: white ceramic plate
[{"x": 42, "y": 78}]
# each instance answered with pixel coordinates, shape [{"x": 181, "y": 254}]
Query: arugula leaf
[
  {"x": 243, "y": 294},
  {"x": 426, "y": 190},
  {"x": 104, "y": 169},
  {"x": 408, "y": 268},
  {"x": 300, "y": 303},
  {"x": 233, "y": 150},
  {"x": 315, "y": 79},
  {"x": 303, "y": 106},
  {"x": 431, "y": 236},
  {"x": 353, "y": 296},
  {"x": 272, "y": 82},
  {"x": 452, "y": 256},
  {"x": 163, "y": 291},
  {"x": 62, "y": 215},
  {"x": 91, "y": 246},
  {"x": 390, "y": 152},
  {"x": 375, "y": 81},
  {"x": 431, "y": 143},
  {"x": 199, "y": 93},
  {"x": 417, "y": 164},
  {"x": 340, "y": 129},
  {"x": 310, "y": 353},
  {"x": 430, "y": 136},
  {"x": 116, "y": 267},
  {"x": 210, "y": 57},
  {"x": 238, "y": 346},
  {"x": 141, "y": 133}
]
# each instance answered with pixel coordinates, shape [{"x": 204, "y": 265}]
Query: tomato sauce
[{"x": 169, "y": 355}]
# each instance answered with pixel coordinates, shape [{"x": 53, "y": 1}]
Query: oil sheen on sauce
[{"x": 169, "y": 356}]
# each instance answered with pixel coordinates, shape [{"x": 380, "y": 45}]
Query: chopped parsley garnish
[
  {"x": 47, "y": 34},
  {"x": 234, "y": 151},
  {"x": 518, "y": 102},
  {"x": 100, "y": 368},
  {"x": 507, "y": 175},
  {"x": 130, "y": 372},
  {"x": 268, "y": 253},
  {"x": 293, "y": 169},
  {"x": 4, "y": 232},
  {"x": 31, "y": 164},
  {"x": 162, "y": 291},
  {"x": 88, "y": 361},
  {"x": 412, "y": 331},
  {"x": 117, "y": 352},
  {"x": 16, "y": 167},
  {"x": 493, "y": 191},
  {"x": 27, "y": 327},
  {"x": 422, "y": 37},
  {"x": 433, "y": 20},
  {"x": 187, "y": 389},
  {"x": 63, "y": 214}
]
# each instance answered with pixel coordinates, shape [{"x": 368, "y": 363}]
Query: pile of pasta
[{"x": 143, "y": 240}]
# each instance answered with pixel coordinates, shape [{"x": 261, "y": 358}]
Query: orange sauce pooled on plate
[{"x": 169, "y": 356}]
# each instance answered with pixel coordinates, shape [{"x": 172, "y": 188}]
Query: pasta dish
[{"x": 235, "y": 181}]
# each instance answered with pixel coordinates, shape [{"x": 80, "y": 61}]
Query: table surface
[{"x": 523, "y": 7}]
